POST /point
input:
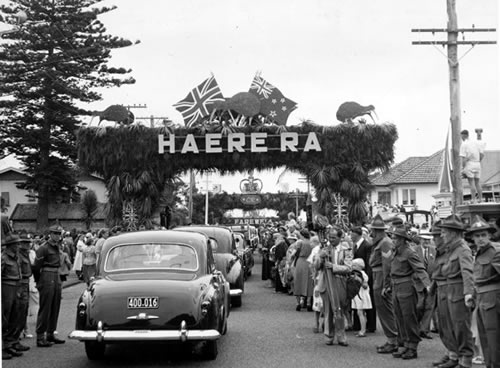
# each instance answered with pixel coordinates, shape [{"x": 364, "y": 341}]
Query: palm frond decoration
[{"x": 127, "y": 158}]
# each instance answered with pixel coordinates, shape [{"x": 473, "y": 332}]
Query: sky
[{"x": 319, "y": 53}]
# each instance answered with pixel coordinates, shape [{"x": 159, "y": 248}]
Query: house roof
[
  {"x": 426, "y": 170},
  {"x": 62, "y": 211},
  {"x": 411, "y": 171}
]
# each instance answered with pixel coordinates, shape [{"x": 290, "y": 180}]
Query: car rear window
[{"x": 151, "y": 256}]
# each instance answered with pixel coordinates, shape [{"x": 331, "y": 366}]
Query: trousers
[
  {"x": 50, "y": 290},
  {"x": 405, "y": 310},
  {"x": 488, "y": 325},
  {"x": 385, "y": 310},
  {"x": 10, "y": 314}
]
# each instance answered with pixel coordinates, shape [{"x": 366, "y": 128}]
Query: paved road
[{"x": 265, "y": 332}]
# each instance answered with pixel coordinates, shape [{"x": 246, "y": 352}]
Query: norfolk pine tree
[{"x": 50, "y": 66}]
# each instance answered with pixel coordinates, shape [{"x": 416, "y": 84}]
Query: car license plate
[{"x": 143, "y": 302}]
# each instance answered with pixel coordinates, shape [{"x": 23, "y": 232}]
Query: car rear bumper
[
  {"x": 144, "y": 335},
  {"x": 235, "y": 292}
]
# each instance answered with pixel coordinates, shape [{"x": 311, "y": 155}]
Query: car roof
[
  {"x": 210, "y": 230},
  {"x": 160, "y": 236}
]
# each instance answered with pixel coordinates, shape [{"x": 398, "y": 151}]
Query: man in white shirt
[{"x": 471, "y": 155}]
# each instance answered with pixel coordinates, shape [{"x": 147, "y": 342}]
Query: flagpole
[
  {"x": 206, "y": 203},
  {"x": 190, "y": 209}
]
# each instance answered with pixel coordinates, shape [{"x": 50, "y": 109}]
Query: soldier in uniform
[
  {"x": 405, "y": 265},
  {"x": 49, "y": 285},
  {"x": 24, "y": 292},
  {"x": 487, "y": 282},
  {"x": 458, "y": 270},
  {"x": 439, "y": 295},
  {"x": 380, "y": 264},
  {"x": 11, "y": 279}
]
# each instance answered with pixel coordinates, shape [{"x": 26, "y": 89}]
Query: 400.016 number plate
[{"x": 143, "y": 302}]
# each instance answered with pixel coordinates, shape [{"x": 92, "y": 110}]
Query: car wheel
[
  {"x": 236, "y": 301},
  {"x": 210, "y": 350},
  {"x": 95, "y": 350}
]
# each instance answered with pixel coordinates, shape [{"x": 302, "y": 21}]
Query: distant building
[
  {"x": 413, "y": 182},
  {"x": 12, "y": 177},
  {"x": 68, "y": 215}
]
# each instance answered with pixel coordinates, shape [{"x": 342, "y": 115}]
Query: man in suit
[
  {"x": 361, "y": 248},
  {"x": 427, "y": 253}
]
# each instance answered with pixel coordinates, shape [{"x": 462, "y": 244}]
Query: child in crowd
[
  {"x": 362, "y": 301},
  {"x": 317, "y": 301}
]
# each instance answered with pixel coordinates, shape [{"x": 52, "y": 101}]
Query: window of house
[
  {"x": 409, "y": 196},
  {"x": 384, "y": 198},
  {"x": 31, "y": 195},
  {"x": 5, "y": 199}
]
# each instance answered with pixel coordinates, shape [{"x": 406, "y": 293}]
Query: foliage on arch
[{"x": 128, "y": 157}]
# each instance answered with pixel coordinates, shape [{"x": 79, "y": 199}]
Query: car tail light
[
  {"x": 204, "y": 307},
  {"x": 82, "y": 309}
]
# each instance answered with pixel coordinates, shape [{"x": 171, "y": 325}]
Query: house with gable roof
[{"x": 413, "y": 182}]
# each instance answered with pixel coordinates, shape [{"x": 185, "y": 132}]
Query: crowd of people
[
  {"x": 445, "y": 279},
  {"x": 33, "y": 270}
]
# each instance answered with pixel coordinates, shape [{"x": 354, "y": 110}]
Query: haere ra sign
[{"x": 238, "y": 142}]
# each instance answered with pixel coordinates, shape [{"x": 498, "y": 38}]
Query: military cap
[
  {"x": 479, "y": 224},
  {"x": 56, "y": 229},
  {"x": 11, "y": 239},
  {"x": 453, "y": 222},
  {"x": 435, "y": 229},
  {"x": 378, "y": 223},
  {"x": 401, "y": 232}
]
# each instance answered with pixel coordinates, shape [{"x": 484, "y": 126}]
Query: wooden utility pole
[{"x": 454, "y": 83}]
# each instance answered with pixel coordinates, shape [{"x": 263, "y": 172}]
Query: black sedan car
[
  {"x": 226, "y": 257},
  {"x": 157, "y": 286}
]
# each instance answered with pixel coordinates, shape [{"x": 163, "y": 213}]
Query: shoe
[
  {"x": 329, "y": 341},
  {"x": 387, "y": 349},
  {"x": 409, "y": 354},
  {"x": 20, "y": 347},
  {"x": 298, "y": 308},
  {"x": 449, "y": 364},
  {"x": 435, "y": 330},
  {"x": 444, "y": 359},
  {"x": 315, "y": 329},
  {"x": 371, "y": 331},
  {"x": 478, "y": 360},
  {"x": 425, "y": 335},
  {"x": 399, "y": 353},
  {"x": 43, "y": 343},
  {"x": 343, "y": 343},
  {"x": 13, "y": 352},
  {"x": 359, "y": 334},
  {"x": 5, "y": 355},
  {"x": 27, "y": 335},
  {"x": 55, "y": 340}
]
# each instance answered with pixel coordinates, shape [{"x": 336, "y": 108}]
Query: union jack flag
[
  {"x": 261, "y": 87},
  {"x": 197, "y": 102}
]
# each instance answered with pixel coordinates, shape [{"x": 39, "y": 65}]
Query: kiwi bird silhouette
[{"x": 348, "y": 111}]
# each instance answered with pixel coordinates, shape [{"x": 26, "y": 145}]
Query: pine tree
[{"x": 50, "y": 66}]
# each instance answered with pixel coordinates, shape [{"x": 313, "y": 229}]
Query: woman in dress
[
  {"x": 361, "y": 302},
  {"x": 303, "y": 282}
]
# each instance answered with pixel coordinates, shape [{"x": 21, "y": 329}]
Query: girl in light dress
[
  {"x": 317, "y": 306},
  {"x": 362, "y": 301}
]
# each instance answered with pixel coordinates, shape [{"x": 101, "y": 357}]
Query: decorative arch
[{"x": 128, "y": 159}]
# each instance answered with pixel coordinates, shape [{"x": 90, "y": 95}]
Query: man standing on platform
[
  {"x": 380, "y": 263},
  {"x": 49, "y": 285},
  {"x": 471, "y": 155}
]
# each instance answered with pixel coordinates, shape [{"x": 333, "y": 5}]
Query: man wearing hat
[
  {"x": 487, "y": 282},
  {"x": 11, "y": 278},
  {"x": 427, "y": 252},
  {"x": 46, "y": 273},
  {"x": 458, "y": 270},
  {"x": 380, "y": 263},
  {"x": 405, "y": 266},
  {"x": 439, "y": 297},
  {"x": 24, "y": 291}
]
